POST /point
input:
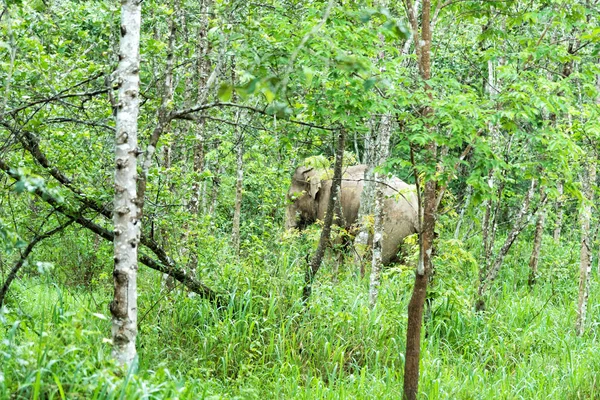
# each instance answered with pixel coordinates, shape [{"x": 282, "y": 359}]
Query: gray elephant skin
[{"x": 309, "y": 193}]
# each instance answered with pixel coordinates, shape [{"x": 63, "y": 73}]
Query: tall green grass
[{"x": 267, "y": 344}]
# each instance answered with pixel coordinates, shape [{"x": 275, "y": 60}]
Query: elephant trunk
[{"x": 290, "y": 218}]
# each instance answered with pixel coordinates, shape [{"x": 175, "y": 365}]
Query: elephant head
[{"x": 303, "y": 195}]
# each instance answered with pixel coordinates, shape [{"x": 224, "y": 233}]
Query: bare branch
[
  {"x": 166, "y": 265},
  {"x": 13, "y": 272},
  {"x": 187, "y": 114},
  {"x": 62, "y": 95}
]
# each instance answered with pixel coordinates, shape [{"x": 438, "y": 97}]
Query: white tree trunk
[
  {"x": 463, "y": 209},
  {"x": 585, "y": 264},
  {"x": 366, "y": 204},
  {"x": 383, "y": 141},
  {"x": 375, "y": 278},
  {"x": 126, "y": 219},
  {"x": 203, "y": 66},
  {"x": 371, "y": 157},
  {"x": 198, "y": 198}
]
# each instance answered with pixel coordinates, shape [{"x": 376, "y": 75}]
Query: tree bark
[
  {"x": 382, "y": 150},
  {"x": 214, "y": 194},
  {"x": 315, "y": 264},
  {"x": 237, "y": 211},
  {"x": 203, "y": 66},
  {"x": 126, "y": 219},
  {"x": 375, "y": 280},
  {"x": 417, "y": 300},
  {"x": 585, "y": 265},
  {"x": 376, "y": 149},
  {"x": 537, "y": 242},
  {"x": 365, "y": 210},
  {"x": 463, "y": 210},
  {"x": 429, "y": 211},
  {"x": 559, "y": 213},
  {"x": 163, "y": 122}
]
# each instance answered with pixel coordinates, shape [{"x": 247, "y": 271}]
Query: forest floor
[{"x": 266, "y": 344}]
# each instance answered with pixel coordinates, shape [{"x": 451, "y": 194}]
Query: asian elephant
[{"x": 309, "y": 193}]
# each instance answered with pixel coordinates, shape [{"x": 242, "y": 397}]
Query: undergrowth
[{"x": 267, "y": 344}]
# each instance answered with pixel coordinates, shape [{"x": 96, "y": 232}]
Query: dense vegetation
[{"x": 501, "y": 128}]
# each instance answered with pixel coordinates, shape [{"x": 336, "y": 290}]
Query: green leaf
[
  {"x": 309, "y": 73},
  {"x": 20, "y": 186},
  {"x": 398, "y": 29},
  {"x": 269, "y": 95},
  {"x": 369, "y": 83},
  {"x": 225, "y": 91}
]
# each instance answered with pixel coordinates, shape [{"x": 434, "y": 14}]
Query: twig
[
  {"x": 13, "y": 272},
  {"x": 166, "y": 264},
  {"x": 544, "y": 306},
  {"x": 187, "y": 113}
]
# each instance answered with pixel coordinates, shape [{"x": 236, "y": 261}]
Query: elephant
[{"x": 309, "y": 193}]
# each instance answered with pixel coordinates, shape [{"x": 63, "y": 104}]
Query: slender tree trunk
[
  {"x": 235, "y": 231},
  {"x": 203, "y": 67},
  {"x": 490, "y": 222},
  {"x": 377, "y": 245},
  {"x": 537, "y": 242},
  {"x": 429, "y": 210},
  {"x": 383, "y": 141},
  {"x": 559, "y": 213},
  {"x": 365, "y": 210},
  {"x": 315, "y": 263},
  {"x": 355, "y": 146},
  {"x": 489, "y": 230},
  {"x": 239, "y": 181},
  {"x": 585, "y": 265},
  {"x": 519, "y": 225},
  {"x": 376, "y": 149},
  {"x": 11, "y": 67},
  {"x": 163, "y": 120},
  {"x": 126, "y": 218},
  {"x": 485, "y": 237},
  {"x": 214, "y": 194},
  {"x": 417, "y": 300},
  {"x": 198, "y": 168},
  {"x": 463, "y": 210}
]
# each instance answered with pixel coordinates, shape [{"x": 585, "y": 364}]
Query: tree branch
[
  {"x": 166, "y": 265},
  {"x": 13, "y": 272},
  {"x": 62, "y": 95},
  {"x": 187, "y": 113}
]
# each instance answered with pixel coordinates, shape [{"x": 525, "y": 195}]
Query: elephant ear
[{"x": 315, "y": 185}]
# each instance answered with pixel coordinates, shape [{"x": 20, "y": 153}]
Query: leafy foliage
[{"x": 514, "y": 96}]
